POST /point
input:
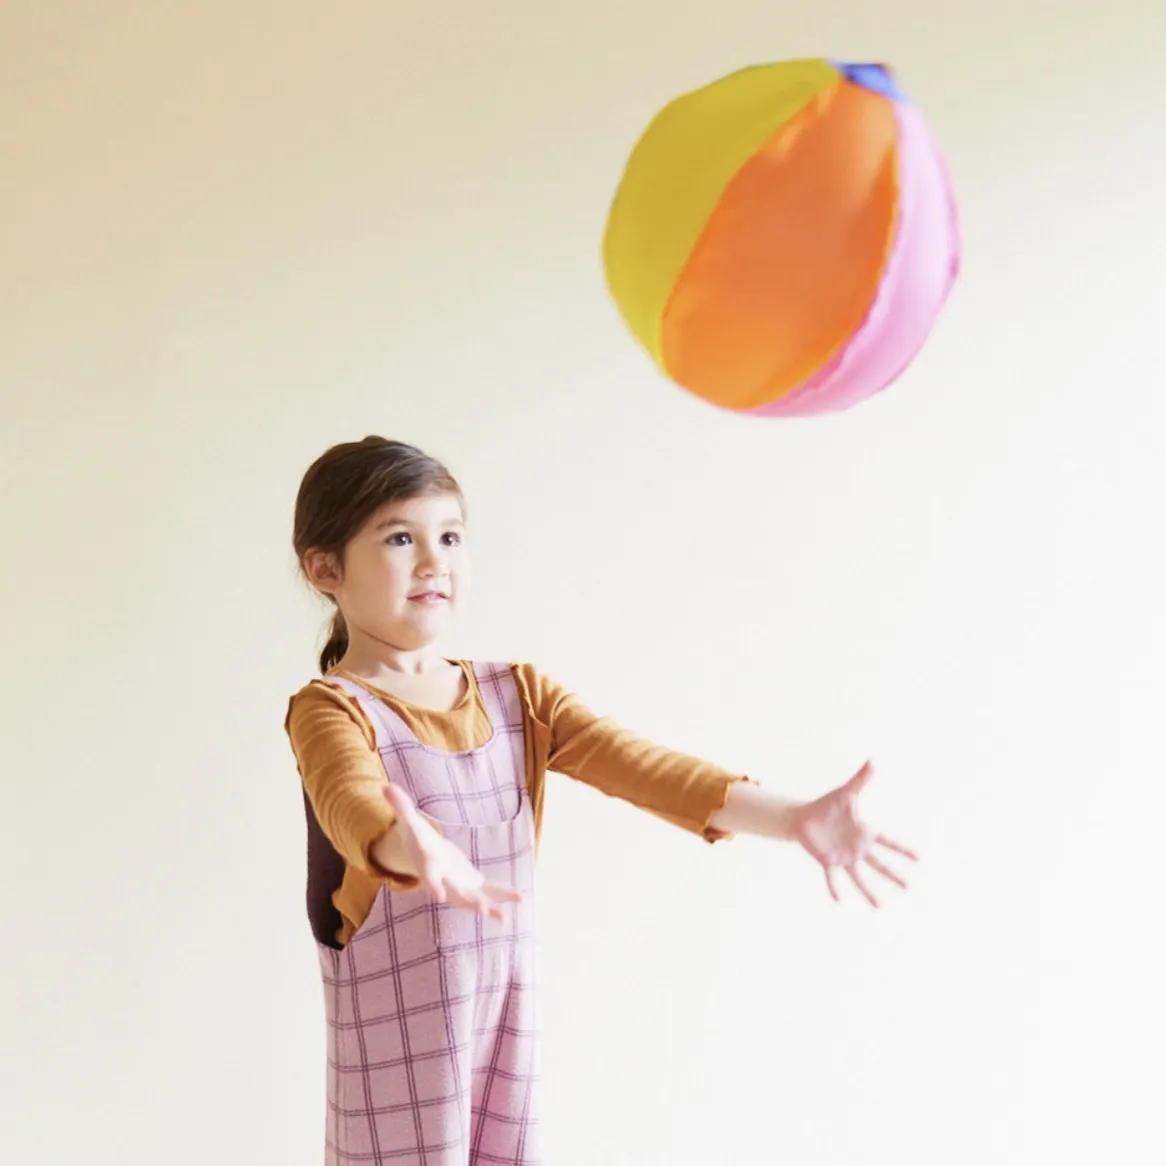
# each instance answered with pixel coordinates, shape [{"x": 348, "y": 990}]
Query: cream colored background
[{"x": 234, "y": 233}]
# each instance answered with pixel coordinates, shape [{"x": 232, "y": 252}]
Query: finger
[
  {"x": 496, "y": 896},
  {"x": 885, "y": 871},
  {"x": 437, "y": 884},
  {"x": 856, "y": 879},
  {"x": 830, "y": 884},
  {"x": 479, "y": 899},
  {"x": 485, "y": 908},
  {"x": 859, "y": 780},
  {"x": 506, "y": 894},
  {"x": 463, "y": 896},
  {"x": 883, "y": 840}
]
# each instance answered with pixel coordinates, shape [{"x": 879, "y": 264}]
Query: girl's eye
[
  {"x": 451, "y": 539},
  {"x": 400, "y": 539}
]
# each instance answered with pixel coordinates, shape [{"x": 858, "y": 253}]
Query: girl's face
[{"x": 404, "y": 573}]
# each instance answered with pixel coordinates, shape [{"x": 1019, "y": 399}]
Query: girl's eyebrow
[{"x": 386, "y": 522}]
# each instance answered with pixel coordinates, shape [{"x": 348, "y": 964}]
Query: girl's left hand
[{"x": 831, "y": 832}]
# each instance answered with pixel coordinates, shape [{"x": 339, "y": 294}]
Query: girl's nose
[{"x": 431, "y": 562}]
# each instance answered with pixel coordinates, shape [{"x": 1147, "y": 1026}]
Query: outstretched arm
[
  {"x": 702, "y": 797},
  {"x": 593, "y": 749}
]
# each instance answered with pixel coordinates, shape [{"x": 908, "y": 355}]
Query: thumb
[{"x": 860, "y": 779}]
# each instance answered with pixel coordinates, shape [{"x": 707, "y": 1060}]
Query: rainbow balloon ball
[{"x": 783, "y": 240}]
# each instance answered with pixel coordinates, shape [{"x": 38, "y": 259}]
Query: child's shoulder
[
  {"x": 326, "y": 687},
  {"x": 322, "y": 717},
  {"x": 320, "y": 696}
]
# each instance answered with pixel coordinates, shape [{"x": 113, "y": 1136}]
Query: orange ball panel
[{"x": 791, "y": 257}]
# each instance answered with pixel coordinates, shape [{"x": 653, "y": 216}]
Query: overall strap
[
  {"x": 380, "y": 716},
  {"x": 500, "y": 696}
]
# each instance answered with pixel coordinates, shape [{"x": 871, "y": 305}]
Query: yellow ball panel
[{"x": 679, "y": 170}]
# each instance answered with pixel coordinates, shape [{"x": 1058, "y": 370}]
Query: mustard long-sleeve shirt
[{"x": 343, "y": 777}]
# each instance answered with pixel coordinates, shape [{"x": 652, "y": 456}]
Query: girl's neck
[
  {"x": 369, "y": 659},
  {"x": 421, "y": 677}
]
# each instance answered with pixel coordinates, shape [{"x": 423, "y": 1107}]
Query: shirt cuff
[{"x": 708, "y": 833}]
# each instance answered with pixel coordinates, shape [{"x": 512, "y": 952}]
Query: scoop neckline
[{"x": 466, "y": 698}]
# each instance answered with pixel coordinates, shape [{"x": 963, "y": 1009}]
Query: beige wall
[{"x": 233, "y": 233}]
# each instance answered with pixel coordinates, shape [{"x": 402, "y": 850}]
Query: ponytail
[{"x": 337, "y": 643}]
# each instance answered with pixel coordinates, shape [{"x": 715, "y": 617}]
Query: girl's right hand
[{"x": 442, "y": 869}]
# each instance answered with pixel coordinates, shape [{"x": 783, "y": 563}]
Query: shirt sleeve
[
  {"x": 681, "y": 789},
  {"x": 335, "y": 748}
]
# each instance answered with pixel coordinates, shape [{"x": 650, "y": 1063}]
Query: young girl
[{"x": 423, "y": 783}]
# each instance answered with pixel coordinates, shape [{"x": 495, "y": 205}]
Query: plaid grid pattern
[{"x": 431, "y": 1009}]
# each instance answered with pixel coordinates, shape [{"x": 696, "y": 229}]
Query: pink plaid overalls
[{"x": 430, "y": 1008}]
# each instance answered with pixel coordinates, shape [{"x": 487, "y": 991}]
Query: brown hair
[{"x": 343, "y": 488}]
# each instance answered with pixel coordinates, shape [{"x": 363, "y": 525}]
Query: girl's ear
[{"x": 323, "y": 571}]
